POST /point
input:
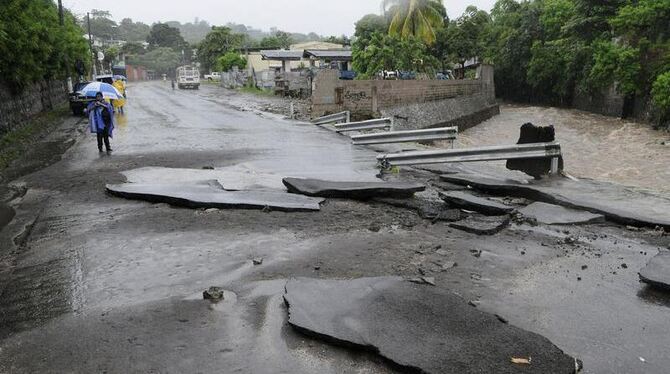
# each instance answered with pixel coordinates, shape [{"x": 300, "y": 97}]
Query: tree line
[
  {"x": 544, "y": 51},
  {"x": 34, "y": 46}
]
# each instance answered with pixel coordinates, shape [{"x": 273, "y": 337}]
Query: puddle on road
[{"x": 594, "y": 146}]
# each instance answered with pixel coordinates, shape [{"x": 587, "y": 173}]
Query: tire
[{"x": 77, "y": 111}]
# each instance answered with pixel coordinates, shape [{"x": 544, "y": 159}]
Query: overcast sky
[{"x": 329, "y": 17}]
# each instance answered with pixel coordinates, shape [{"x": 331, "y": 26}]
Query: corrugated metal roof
[
  {"x": 279, "y": 54},
  {"x": 341, "y": 54}
]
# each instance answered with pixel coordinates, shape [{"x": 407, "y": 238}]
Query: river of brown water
[{"x": 594, "y": 146}]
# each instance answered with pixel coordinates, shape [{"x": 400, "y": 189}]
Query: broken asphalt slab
[
  {"x": 482, "y": 225},
  {"x": 657, "y": 271},
  {"x": 417, "y": 327},
  {"x": 464, "y": 200},
  {"x": 550, "y": 214},
  {"x": 617, "y": 203},
  {"x": 352, "y": 190},
  {"x": 233, "y": 178},
  {"x": 208, "y": 196}
]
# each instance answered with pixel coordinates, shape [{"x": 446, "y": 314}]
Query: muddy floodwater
[{"x": 594, "y": 146}]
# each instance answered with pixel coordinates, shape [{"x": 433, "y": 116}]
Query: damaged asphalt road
[
  {"x": 418, "y": 328},
  {"x": 97, "y": 283}
]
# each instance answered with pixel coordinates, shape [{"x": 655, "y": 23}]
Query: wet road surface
[{"x": 95, "y": 283}]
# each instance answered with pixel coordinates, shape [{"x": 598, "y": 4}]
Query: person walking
[
  {"x": 172, "y": 81},
  {"x": 101, "y": 121}
]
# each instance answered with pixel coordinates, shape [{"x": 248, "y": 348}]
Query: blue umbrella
[
  {"x": 120, "y": 78},
  {"x": 108, "y": 91}
]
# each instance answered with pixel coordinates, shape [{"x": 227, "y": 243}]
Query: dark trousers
[{"x": 103, "y": 135}]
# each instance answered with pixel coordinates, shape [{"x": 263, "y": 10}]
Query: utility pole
[
  {"x": 90, "y": 45},
  {"x": 60, "y": 12}
]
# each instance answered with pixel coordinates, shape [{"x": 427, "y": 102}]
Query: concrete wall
[
  {"x": 413, "y": 103},
  {"x": 15, "y": 109},
  {"x": 607, "y": 102}
]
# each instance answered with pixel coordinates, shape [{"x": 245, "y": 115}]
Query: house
[{"x": 257, "y": 62}]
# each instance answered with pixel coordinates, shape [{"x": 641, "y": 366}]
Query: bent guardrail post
[
  {"x": 333, "y": 118},
  {"x": 442, "y": 133},
  {"x": 505, "y": 152},
  {"x": 371, "y": 124}
]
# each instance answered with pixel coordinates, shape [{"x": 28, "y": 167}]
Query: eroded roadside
[{"x": 120, "y": 282}]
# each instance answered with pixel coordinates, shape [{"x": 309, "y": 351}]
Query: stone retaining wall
[
  {"x": 413, "y": 103},
  {"x": 15, "y": 109}
]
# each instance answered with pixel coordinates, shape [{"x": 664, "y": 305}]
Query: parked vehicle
[
  {"x": 213, "y": 76},
  {"x": 347, "y": 75},
  {"x": 188, "y": 77},
  {"x": 444, "y": 75},
  {"x": 105, "y": 78},
  {"x": 79, "y": 102},
  {"x": 406, "y": 75},
  {"x": 388, "y": 74}
]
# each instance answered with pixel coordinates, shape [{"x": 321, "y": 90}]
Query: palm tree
[{"x": 419, "y": 18}]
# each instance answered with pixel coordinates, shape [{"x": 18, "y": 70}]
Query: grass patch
[
  {"x": 16, "y": 143},
  {"x": 257, "y": 91}
]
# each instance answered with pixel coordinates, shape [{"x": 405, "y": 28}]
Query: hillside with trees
[
  {"x": 544, "y": 51},
  {"x": 34, "y": 46}
]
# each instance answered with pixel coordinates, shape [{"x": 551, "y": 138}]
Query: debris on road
[
  {"x": 257, "y": 261},
  {"x": 535, "y": 167},
  {"x": 448, "y": 265},
  {"x": 206, "y": 196},
  {"x": 213, "y": 293},
  {"x": 425, "y": 208},
  {"x": 351, "y": 190},
  {"x": 482, "y": 225},
  {"x": 521, "y": 360},
  {"x": 423, "y": 280},
  {"x": 616, "y": 203},
  {"x": 464, "y": 200},
  {"x": 445, "y": 334},
  {"x": 657, "y": 271},
  {"x": 550, "y": 214}
]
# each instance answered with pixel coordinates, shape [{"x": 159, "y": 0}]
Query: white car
[{"x": 213, "y": 76}]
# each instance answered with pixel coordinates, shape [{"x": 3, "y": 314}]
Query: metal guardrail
[
  {"x": 333, "y": 118},
  {"x": 442, "y": 133},
  {"x": 372, "y": 124},
  {"x": 505, "y": 152}
]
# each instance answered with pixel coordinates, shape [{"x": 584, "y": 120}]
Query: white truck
[
  {"x": 213, "y": 76},
  {"x": 188, "y": 77}
]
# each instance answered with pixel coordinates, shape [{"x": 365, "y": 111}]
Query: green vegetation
[
  {"x": 544, "y": 51},
  {"x": 390, "y": 52},
  {"x": 217, "y": 43},
  {"x": 415, "y": 18},
  {"x": 280, "y": 39},
  {"x": 165, "y": 36},
  {"x": 33, "y": 45},
  {"x": 230, "y": 59}
]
